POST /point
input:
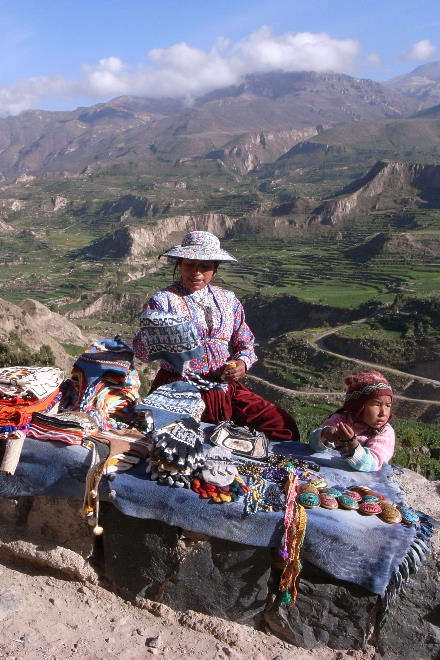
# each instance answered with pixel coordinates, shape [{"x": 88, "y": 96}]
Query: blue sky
[{"x": 58, "y": 54}]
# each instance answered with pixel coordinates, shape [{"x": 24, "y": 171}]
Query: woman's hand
[{"x": 234, "y": 370}]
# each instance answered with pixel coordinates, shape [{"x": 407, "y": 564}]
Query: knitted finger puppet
[{"x": 219, "y": 469}]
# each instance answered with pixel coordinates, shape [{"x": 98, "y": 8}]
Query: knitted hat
[
  {"x": 170, "y": 337},
  {"x": 364, "y": 386},
  {"x": 200, "y": 246},
  {"x": 171, "y": 402}
]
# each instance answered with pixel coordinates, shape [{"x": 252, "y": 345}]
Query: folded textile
[
  {"x": 70, "y": 427},
  {"x": 344, "y": 544},
  {"x": 29, "y": 382}
]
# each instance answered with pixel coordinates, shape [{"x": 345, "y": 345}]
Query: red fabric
[{"x": 241, "y": 405}]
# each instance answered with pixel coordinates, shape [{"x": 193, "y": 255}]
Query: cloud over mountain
[{"x": 182, "y": 71}]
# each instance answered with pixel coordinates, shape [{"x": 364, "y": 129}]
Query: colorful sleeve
[
  {"x": 315, "y": 441},
  {"x": 139, "y": 347},
  {"x": 376, "y": 451},
  {"x": 242, "y": 340}
]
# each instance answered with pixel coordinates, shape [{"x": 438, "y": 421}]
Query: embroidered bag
[{"x": 240, "y": 440}]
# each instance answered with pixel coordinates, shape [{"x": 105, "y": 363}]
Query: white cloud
[
  {"x": 186, "y": 72},
  {"x": 373, "y": 59},
  {"x": 422, "y": 50}
]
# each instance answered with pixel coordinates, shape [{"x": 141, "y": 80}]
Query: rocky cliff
[
  {"x": 386, "y": 183},
  {"x": 132, "y": 244}
]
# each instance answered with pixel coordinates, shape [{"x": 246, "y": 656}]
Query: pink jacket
[{"x": 374, "y": 449}]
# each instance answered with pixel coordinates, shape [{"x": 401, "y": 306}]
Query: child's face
[{"x": 377, "y": 411}]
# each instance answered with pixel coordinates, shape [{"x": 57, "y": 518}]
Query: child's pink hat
[{"x": 363, "y": 386}]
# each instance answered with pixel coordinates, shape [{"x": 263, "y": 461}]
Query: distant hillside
[
  {"x": 137, "y": 130},
  {"x": 422, "y": 84},
  {"x": 345, "y": 151}
]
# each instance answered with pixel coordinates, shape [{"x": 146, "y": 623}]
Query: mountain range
[{"x": 272, "y": 111}]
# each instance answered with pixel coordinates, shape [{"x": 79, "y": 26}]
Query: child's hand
[
  {"x": 345, "y": 437},
  {"x": 339, "y": 435}
]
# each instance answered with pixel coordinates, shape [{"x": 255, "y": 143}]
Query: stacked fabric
[
  {"x": 70, "y": 427},
  {"x": 24, "y": 391}
]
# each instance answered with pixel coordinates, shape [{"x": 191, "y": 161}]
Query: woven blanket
[{"x": 346, "y": 545}]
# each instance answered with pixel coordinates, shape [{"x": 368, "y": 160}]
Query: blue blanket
[{"x": 345, "y": 544}]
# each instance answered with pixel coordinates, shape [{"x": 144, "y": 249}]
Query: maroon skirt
[{"x": 242, "y": 406}]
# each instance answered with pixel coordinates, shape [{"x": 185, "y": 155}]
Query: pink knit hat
[{"x": 364, "y": 386}]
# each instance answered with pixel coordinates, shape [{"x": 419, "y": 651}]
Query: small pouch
[{"x": 240, "y": 440}]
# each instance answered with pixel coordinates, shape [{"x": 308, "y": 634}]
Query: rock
[
  {"x": 144, "y": 558},
  {"x": 147, "y": 558}
]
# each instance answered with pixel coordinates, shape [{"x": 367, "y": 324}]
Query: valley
[{"x": 329, "y": 200}]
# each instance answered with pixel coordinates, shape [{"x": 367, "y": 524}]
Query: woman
[{"x": 227, "y": 341}]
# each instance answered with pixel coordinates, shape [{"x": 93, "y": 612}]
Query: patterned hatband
[{"x": 367, "y": 391}]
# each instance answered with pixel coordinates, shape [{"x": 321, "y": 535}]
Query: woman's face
[
  {"x": 377, "y": 411},
  {"x": 197, "y": 274}
]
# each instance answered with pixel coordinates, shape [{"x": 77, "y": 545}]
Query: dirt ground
[{"x": 52, "y": 608}]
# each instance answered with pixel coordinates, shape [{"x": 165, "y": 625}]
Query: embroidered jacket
[
  {"x": 373, "y": 449},
  {"x": 226, "y": 336}
]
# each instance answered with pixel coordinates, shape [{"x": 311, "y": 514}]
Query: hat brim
[{"x": 188, "y": 252}]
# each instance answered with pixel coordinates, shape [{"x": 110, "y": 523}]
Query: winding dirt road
[{"x": 317, "y": 343}]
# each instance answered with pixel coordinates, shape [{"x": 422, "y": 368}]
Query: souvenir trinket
[
  {"x": 318, "y": 483},
  {"x": 390, "y": 515},
  {"x": 309, "y": 500},
  {"x": 354, "y": 494},
  {"x": 409, "y": 516},
  {"x": 363, "y": 490},
  {"x": 369, "y": 498},
  {"x": 308, "y": 488},
  {"x": 378, "y": 495},
  {"x": 333, "y": 491},
  {"x": 370, "y": 508},
  {"x": 386, "y": 504},
  {"x": 327, "y": 501},
  {"x": 218, "y": 468},
  {"x": 347, "y": 502}
]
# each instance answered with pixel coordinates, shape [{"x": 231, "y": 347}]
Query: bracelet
[{"x": 353, "y": 437}]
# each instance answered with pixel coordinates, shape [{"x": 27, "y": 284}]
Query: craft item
[
  {"x": 318, "y": 483},
  {"x": 274, "y": 473},
  {"x": 255, "y": 496},
  {"x": 308, "y": 488},
  {"x": 363, "y": 490},
  {"x": 218, "y": 468},
  {"x": 295, "y": 520},
  {"x": 390, "y": 515},
  {"x": 335, "y": 492},
  {"x": 282, "y": 460},
  {"x": 180, "y": 443},
  {"x": 409, "y": 516},
  {"x": 328, "y": 501},
  {"x": 370, "y": 508},
  {"x": 241, "y": 440},
  {"x": 309, "y": 500},
  {"x": 354, "y": 494},
  {"x": 347, "y": 502},
  {"x": 370, "y": 498},
  {"x": 378, "y": 495},
  {"x": 169, "y": 403},
  {"x": 219, "y": 494}
]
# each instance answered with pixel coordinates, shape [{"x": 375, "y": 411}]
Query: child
[{"x": 360, "y": 429}]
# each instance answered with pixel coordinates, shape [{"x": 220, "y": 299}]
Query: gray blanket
[{"x": 345, "y": 544}]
